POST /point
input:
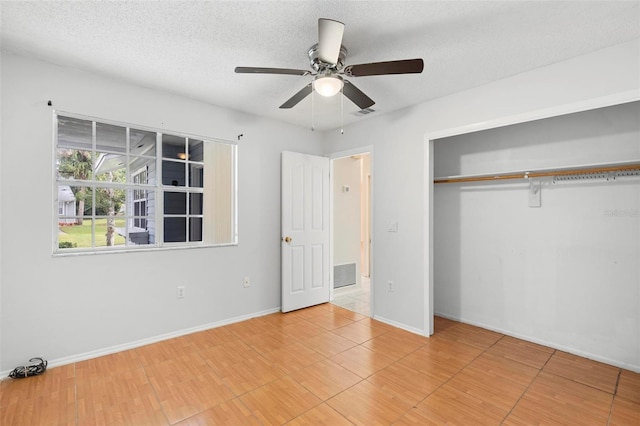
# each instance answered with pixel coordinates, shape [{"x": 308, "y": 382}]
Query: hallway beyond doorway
[{"x": 355, "y": 299}]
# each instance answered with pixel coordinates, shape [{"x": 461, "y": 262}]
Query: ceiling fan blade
[
  {"x": 356, "y": 95},
  {"x": 293, "y": 101},
  {"x": 406, "y": 66},
  {"x": 329, "y": 40},
  {"x": 257, "y": 70}
]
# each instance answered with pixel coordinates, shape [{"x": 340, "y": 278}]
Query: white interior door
[{"x": 305, "y": 230}]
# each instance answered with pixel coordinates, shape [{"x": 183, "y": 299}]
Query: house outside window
[
  {"x": 135, "y": 187},
  {"x": 66, "y": 205}
]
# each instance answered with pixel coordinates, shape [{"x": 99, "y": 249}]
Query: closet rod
[{"x": 546, "y": 173}]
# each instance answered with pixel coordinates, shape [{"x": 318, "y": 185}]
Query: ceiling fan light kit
[
  {"x": 327, "y": 85},
  {"x": 327, "y": 59}
]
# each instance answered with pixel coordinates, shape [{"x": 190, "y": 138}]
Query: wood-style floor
[{"x": 327, "y": 365}]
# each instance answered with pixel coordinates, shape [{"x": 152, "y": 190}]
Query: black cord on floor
[{"x": 37, "y": 366}]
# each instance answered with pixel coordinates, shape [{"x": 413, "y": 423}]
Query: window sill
[{"x": 80, "y": 252}]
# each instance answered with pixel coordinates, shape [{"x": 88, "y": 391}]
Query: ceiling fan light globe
[{"x": 328, "y": 86}]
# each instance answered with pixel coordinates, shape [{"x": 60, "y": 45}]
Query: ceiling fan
[{"x": 327, "y": 61}]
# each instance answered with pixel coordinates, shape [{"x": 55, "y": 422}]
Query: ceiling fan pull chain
[
  {"x": 313, "y": 89},
  {"x": 342, "y": 110}
]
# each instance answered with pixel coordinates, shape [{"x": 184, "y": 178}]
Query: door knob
[{"x": 287, "y": 239}]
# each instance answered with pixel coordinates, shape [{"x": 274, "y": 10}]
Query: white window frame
[{"x": 158, "y": 188}]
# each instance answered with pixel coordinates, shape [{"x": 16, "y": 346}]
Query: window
[{"x": 125, "y": 187}]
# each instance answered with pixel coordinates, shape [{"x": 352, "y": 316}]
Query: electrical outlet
[
  {"x": 391, "y": 286},
  {"x": 246, "y": 282},
  {"x": 180, "y": 292}
]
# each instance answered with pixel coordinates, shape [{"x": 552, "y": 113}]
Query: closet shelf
[{"x": 536, "y": 173}]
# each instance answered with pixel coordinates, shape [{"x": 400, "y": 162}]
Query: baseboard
[
  {"x": 136, "y": 344},
  {"x": 574, "y": 351},
  {"x": 400, "y": 325}
]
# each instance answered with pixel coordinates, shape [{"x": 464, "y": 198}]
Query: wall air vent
[
  {"x": 344, "y": 275},
  {"x": 364, "y": 112}
]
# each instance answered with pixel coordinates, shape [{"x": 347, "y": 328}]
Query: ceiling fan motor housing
[{"x": 320, "y": 66}]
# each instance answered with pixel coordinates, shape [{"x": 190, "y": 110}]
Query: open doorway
[{"x": 351, "y": 232}]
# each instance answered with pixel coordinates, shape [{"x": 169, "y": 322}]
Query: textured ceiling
[{"x": 192, "y": 47}]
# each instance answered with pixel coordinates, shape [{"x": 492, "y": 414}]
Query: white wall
[
  {"x": 565, "y": 274},
  {"x": 401, "y": 177},
  {"x": 602, "y": 135},
  {"x": 63, "y": 307},
  {"x": 346, "y": 212}
]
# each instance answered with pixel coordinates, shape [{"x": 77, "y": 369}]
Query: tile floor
[
  {"x": 328, "y": 365},
  {"x": 354, "y": 299}
]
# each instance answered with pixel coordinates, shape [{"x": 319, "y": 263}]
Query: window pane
[
  {"x": 110, "y": 231},
  {"x": 196, "y": 176},
  {"x": 142, "y": 142},
  {"x": 138, "y": 234},
  {"x": 175, "y": 229},
  {"x": 195, "y": 229},
  {"x": 175, "y": 203},
  {"x": 79, "y": 231},
  {"x": 142, "y": 170},
  {"x": 74, "y": 164},
  {"x": 111, "y": 138},
  {"x": 67, "y": 206},
  {"x": 110, "y": 167},
  {"x": 109, "y": 201},
  {"x": 173, "y": 173},
  {"x": 84, "y": 195},
  {"x": 195, "y": 203},
  {"x": 174, "y": 147},
  {"x": 75, "y": 133},
  {"x": 195, "y": 150},
  {"x": 75, "y": 235}
]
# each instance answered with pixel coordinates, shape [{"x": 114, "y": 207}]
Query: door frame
[{"x": 367, "y": 149}]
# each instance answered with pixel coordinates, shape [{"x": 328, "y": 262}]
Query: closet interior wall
[{"x": 566, "y": 273}]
